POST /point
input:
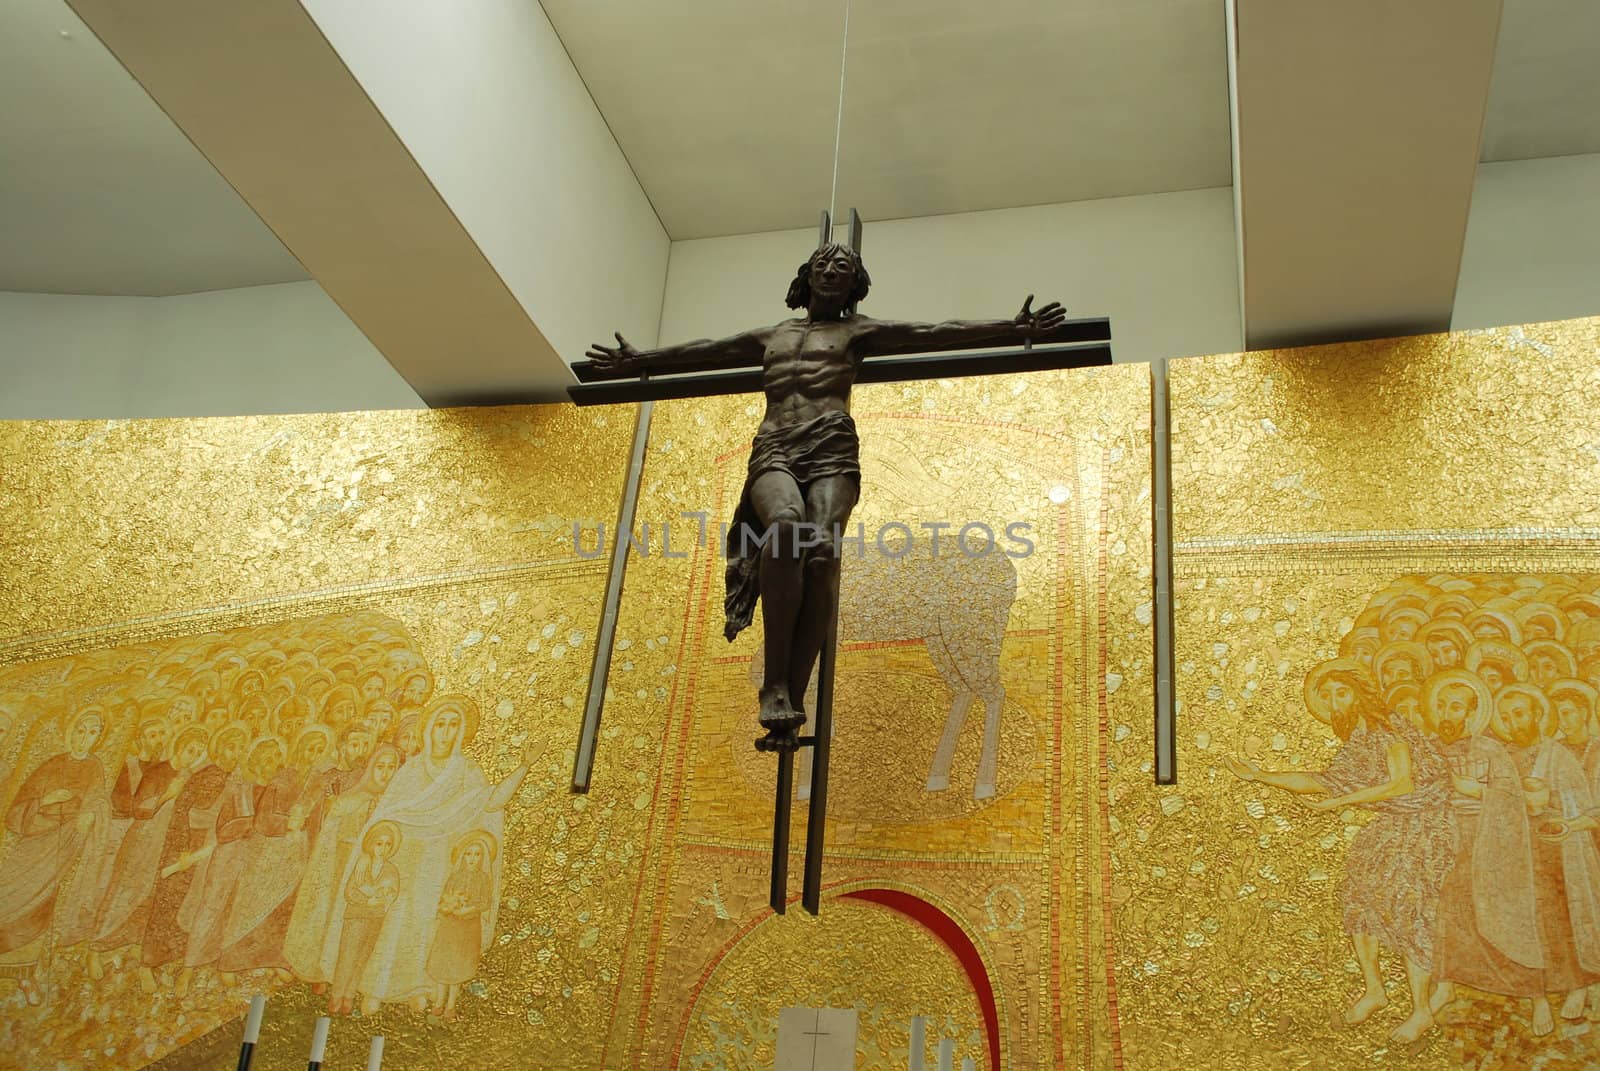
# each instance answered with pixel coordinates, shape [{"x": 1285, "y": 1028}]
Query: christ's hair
[{"x": 800, "y": 289}]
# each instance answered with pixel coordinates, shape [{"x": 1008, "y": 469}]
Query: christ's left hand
[{"x": 1040, "y": 322}]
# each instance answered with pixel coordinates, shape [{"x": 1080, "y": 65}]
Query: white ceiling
[
  {"x": 99, "y": 192},
  {"x": 726, "y": 108},
  {"x": 1545, "y": 97}
]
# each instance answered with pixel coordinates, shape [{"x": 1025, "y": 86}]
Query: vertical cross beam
[
  {"x": 821, "y": 743},
  {"x": 782, "y": 808},
  {"x": 821, "y": 737}
]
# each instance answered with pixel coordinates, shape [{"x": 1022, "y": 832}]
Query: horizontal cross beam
[
  {"x": 1095, "y": 329},
  {"x": 872, "y": 370}
]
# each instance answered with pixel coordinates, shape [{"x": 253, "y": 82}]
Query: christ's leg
[
  {"x": 828, "y": 505},
  {"x": 1374, "y": 997},
  {"x": 780, "y": 509}
]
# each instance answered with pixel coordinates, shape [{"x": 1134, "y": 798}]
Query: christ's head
[{"x": 831, "y": 280}]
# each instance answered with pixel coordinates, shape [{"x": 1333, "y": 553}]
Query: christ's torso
[{"x": 808, "y": 370}]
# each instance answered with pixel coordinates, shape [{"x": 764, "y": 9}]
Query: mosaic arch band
[
  {"x": 288, "y": 803},
  {"x": 1465, "y": 711}
]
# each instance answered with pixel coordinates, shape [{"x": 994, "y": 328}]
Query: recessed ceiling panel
[
  {"x": 1545, "y": 97},
  {"x": 727, "y": 109},
  {"x": 100, "y": 193}
]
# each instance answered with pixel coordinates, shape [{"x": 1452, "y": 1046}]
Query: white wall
[
  {"x": 1533, "y": 243},
  {"x": 260, "y": 349},
  {"x": 1162, "y": 267},
  {"x": 484, "y": 97}
]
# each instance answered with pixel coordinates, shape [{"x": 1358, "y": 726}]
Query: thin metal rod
[
  {"x": 1166, "y": 757},
  {"x": 583, "y": 764},
  {"x": 838, "y": 126},
  {"x": 816, "y": 819},
  {"x": 782, "y": 808}
]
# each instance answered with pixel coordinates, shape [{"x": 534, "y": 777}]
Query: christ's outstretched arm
[
  {"x": 887, "y": 338},
  {"x": 735, "y": 351}
]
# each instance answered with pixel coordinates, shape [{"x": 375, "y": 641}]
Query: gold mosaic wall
[
  {"x": 1011, "y": 848},
  {"x": 203, "y": 594},
  {"x": 1330, "y": 503},
  {"x": 406, "y": 580},
  {"x": 410, "y": 578}
]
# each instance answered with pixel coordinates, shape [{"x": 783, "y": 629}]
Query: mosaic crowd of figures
[
  {"x": 1466, "y": 711},
  {"x": 290, "y": 798}
]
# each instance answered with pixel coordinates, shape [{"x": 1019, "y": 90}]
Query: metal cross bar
[
  {"x": 873, "y": 370},
  {"x": 1091, "y": 329}
]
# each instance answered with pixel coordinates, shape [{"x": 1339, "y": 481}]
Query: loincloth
[{"x": 809, "y": 451}]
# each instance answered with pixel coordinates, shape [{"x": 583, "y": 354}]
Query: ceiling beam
[
  {"x": 1357, "y": 131},
  {"x": 258, "y": 89}
]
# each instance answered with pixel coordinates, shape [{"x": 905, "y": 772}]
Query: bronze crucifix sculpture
[{"x": 804, "y": 474}]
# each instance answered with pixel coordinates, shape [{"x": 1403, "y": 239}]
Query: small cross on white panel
[{"x": 816, "y": 1039}]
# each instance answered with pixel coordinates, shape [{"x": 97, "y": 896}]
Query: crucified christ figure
[{"x": 804, "y": 474}]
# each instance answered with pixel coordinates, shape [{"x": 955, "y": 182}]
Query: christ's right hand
[{"x": 619, "y": 358}]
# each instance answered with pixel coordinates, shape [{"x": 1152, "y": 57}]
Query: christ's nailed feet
[
  {"x": 779, "y": 740},
  {"x": 781, "y": 721},
  {"x": 778, "y": 715}
]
